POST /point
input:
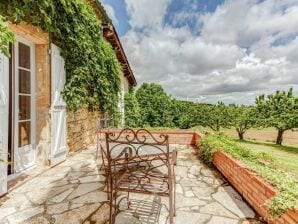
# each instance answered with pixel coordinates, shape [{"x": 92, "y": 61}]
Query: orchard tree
[
  {"x": 184, "y": 112},
  {"x": 132, "y": 110},
  {"x": 215, "y": 116},
  {"x": 243, "y": 118},
  {"x": 279, "y": 110},
  {"x": 156, "y": 106}
]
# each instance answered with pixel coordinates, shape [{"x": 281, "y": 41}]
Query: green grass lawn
[{"x": 286, "y": 157}]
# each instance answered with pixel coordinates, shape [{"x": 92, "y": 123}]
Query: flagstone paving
[{"x": 72, "y": 193}]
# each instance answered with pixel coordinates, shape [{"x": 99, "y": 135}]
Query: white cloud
[
  {"x": 146, "y": 13},
  {"x": 234, "y": 58},
  {"x": 246, "y": 22}
]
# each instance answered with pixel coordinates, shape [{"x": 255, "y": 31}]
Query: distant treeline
[{"x": 151, "y": 106}]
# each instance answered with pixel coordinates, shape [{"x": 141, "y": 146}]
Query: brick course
[
  {"x": 254, "y": 189},
  {"x": 181, "y": 137}
]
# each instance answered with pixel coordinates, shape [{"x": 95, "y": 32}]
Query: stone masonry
[{"x": 81, "y": 127}]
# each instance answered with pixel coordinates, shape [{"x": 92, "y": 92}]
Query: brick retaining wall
[
  {"x": 253, "y": 188},
  {"x": 181, "y": 137}
]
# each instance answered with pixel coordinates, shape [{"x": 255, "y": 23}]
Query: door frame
[
  {"x": 16, "y": 101},
  {"x": 4, "y": 104}
]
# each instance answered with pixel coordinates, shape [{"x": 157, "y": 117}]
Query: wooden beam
[{"x": 30, "y": 32}]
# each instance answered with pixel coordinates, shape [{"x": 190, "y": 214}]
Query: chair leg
[
  {"x": 171, "y": 210},
  {"x": 174, "y": 206},
  {"x": 171, "y": 201},
  {"x": 111, "y": 209},
  {"x": 97, "y": 148},
  {"x": 108, "y": 185},
  {"x": 108, "y": 189}
]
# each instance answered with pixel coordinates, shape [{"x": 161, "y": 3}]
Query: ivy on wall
[
  {"x": 91, "y": 65},
  {"x": 6, "y": 37}
]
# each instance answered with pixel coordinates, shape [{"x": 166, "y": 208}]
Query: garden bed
[
  {"x": 254, "y": 189},
  {"x": 271, "y": 191}
]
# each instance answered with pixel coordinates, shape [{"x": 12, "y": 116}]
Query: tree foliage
[
  {"x": 91, "y": 65},
  {"x": 156, "y": 106},
  {"x": 243, "y": 118},
  {"x": 279, "y": 110},
  {"x": 158, "y": 109},
  {"x": 215, "y": 116},
  {"x": 184, "y": 114},
  {"x": 132, "y": 110}
]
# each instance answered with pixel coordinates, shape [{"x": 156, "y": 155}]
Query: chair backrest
[{"x": 136, "y": 146}]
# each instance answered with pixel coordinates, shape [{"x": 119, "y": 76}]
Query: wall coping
[
  {"x": 173, "y": 131},
  {"x": 178, "y": 136}
]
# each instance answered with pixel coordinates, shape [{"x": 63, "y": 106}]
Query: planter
[{"x": 254, "y": 189}]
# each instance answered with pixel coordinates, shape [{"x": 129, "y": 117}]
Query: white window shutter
[
  {"x": 58, "y": 108},
  {"x": 4, "y": 101}
]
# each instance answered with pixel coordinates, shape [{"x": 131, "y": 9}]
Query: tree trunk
[
  {"x": 279, "y": 136},
  {"x": 240, "y": 134},
  {"x": 217, "y": 126}
]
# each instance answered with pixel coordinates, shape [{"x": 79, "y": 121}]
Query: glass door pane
[
  {"x": 24, "y": 92},
  {"x": 24, "y": 133}
]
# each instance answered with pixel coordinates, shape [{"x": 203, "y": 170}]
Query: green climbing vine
[
  {"x": 6, "y": 37},
  {"x": 91, "y": 65}
]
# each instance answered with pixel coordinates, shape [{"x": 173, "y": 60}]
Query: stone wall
[
  {"x": 81, "y": 127},
  {"x": 254, "y": 189},
  {"x": 43, "y": 104}
]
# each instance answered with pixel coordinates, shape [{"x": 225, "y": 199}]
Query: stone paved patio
[{"x": 72, "y": 193}]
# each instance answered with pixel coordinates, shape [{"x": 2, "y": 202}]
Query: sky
[{"x": 210, "y": 51}]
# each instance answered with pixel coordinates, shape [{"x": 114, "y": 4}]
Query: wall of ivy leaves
[{"x": 92, "y": 69}]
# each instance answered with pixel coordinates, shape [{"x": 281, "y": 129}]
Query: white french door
[
  {"x": 58, "y": 108},
  {"x": 4, "y": 95},
  {"x": 24, "y": 104}
]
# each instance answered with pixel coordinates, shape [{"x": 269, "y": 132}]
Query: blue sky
[
  {"x": 121, "y": 17},
  {"x": 121, "y": 22},
  {"x": 209, "y": 51}
]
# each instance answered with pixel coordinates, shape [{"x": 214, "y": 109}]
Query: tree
[
  {"x": 215, "y": 116},
  {"x": 184, "y": 112},
  {"x": 279, "y": 110},
  {"x": 243, "y": 118},
  {"x": 156, "y": 106},
  {"x": 132, "y": 109}
]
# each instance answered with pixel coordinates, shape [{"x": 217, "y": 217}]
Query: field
[
  {"x": 268, "y": 135},
  {"x": 286, "y": 156}
]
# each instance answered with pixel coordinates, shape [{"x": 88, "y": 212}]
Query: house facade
[{"x": 36, "y": 129}]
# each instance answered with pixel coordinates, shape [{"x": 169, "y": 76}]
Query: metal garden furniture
[{"x": 138, "y": 162}]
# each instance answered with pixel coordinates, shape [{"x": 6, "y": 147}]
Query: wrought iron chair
[{"x": 138, "y": 162}]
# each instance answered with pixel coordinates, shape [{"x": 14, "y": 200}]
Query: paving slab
[{"x": 73, "y": 193}]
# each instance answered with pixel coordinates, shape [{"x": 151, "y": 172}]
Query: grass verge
[{"x": 285, "y": 157}]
